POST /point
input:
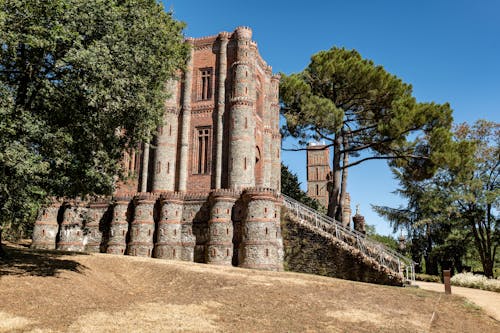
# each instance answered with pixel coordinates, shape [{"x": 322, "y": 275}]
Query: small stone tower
[{"x": 318, "y": 172}]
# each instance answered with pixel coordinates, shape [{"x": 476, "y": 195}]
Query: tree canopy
[
  {"x": 80, "y": 80},
  {"x": 363, "y": 112},
  {"x": 457, "y": 208},
  {"x": 290, "y": 186}
]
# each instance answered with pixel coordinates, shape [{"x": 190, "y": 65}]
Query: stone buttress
[
  {"x": 118, "y": 228},
  {"x": 143, "y": 226},
  {"x": 46, "y": 227},
  {"x": 169, "y": 245},
  {"x": 219, "y": 248},
  {"x": 94, "y": 224},
  {"x": 71, "y": 232},
  {"x": 259, "y": 246}
]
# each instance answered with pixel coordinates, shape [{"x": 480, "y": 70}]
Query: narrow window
[
  {"x": 227, "y": 252},
  {"x": 202, "y": 150},
  {"x": 317, "y": 173},
  {"x": 158, "y": 167},
  {"x": 168, "y": 167},
  {"x": 43, "y": 232},
  {"x": 170, "y": 130},
  {"x": 227, "y": 231},
  {"x": 123, "y": 232},
  {"x": 245, "y": 163},
  {"x": 246, "y": 122},
  {"x": 267, "y": 252},
  {"x": 317, "y": 189},
  {"x": 173, "y": 252},
  {"x": 267, "y": 231},
  {"x": 206, "y": 84}
]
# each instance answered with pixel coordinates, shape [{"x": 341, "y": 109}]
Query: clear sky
[{"x": 448, "y": 50}]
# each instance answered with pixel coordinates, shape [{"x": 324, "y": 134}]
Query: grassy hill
[{"x": 42, "y": 291}]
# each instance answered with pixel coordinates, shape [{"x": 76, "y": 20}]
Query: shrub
[
  {"x": 428, "y": 278},
  {"x": 476, "y": 281}
]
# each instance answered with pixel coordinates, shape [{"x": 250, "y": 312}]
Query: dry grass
[{"x": 54, "y": 292}]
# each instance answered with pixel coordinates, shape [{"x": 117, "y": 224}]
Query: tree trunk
[
  {"x": 2, "y": 252},
  {"x": 343, "y": 188},
  {"x": 334, "y": 189}
]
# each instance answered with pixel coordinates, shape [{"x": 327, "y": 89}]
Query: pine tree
[{"x": 364, "y": 113}]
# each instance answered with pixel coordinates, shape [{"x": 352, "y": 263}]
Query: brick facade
[
  {"x": 318, "y": 172},
  {"x": 206, "y": 188}
]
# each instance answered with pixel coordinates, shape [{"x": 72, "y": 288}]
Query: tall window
[
  {"x": 206, "y": 83},
  {"x": 202, "y": 150}
]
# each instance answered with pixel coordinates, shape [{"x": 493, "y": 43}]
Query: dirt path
[{"x": 488, "y": 300}]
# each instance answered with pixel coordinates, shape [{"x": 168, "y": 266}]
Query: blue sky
[{"x": 448, "y": 50}]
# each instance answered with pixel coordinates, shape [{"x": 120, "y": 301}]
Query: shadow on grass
[{"x": 26, "y": 262}]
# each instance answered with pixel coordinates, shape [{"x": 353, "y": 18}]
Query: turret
[
  {"x": 166, "y": 143},
  {"x": 242, "y": 123}
]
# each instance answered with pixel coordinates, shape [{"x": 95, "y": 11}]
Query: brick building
[
  {"x": 221, "y": 124},
  {"x": 206, "y": 188},
  {"x": 319, "y": 174}
]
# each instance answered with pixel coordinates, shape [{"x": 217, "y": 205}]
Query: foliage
[
  {"x": 470, "y": 280},
  {"x": 455, "y": 210},
  {"x": 388, "y": 241},
  {"x": 290, "y": 186},
  {"x": 428, "y": 278},
  {"x": 80, "y": 81},
  {"x": 363, "y": 112}
]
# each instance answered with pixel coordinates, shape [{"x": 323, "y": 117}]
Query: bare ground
[
  {"x": 488, "y": 300},
  {"x": 43, "y": 291}
]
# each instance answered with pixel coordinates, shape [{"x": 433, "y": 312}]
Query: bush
[
  {"x": 476, "y": 281},
  {"x": 428, "y": 278}
]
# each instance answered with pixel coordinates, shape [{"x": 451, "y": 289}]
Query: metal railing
[{"x": 383, "y": 255}]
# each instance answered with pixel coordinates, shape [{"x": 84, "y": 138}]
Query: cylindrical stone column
[
  {"x": 279, "y": 237},
  {"x": 259, "y": 248},
  {"x": 145, "y": 167},
  {"x": 186, "y": 120},
  {"x": 242, "y": 123},
  {"x": 268, "y": 121},
  {"x": 97, "y": 209},
  {"x": 118, "y": 228},
  {"x": 46, "y": 227},
  {"x": 169, "y": 245},
  {"x": 188, "y": 241},
  {"x": 71, "y": 231},
  {"x": 221, "y": 105},
  {"x": 276, "y": 136},
  {"x": 219, "y": 249},
  {"x": 166, "y": 143},
  {"x": 143, "y": 226}
]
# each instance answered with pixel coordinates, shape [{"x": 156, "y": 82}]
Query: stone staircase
[{"x": 374, "y": 254}]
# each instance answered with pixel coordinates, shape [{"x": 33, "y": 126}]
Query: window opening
[{"x": 206, "y": 83}]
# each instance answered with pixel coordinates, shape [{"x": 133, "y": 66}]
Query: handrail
[{"x": 386, "y": 257}]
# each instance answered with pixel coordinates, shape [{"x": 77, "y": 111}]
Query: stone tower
[
  {"x": 318, "y": 172},
  {"x": 221, "y": 123},
  {"x": 206, "y": 188}
]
